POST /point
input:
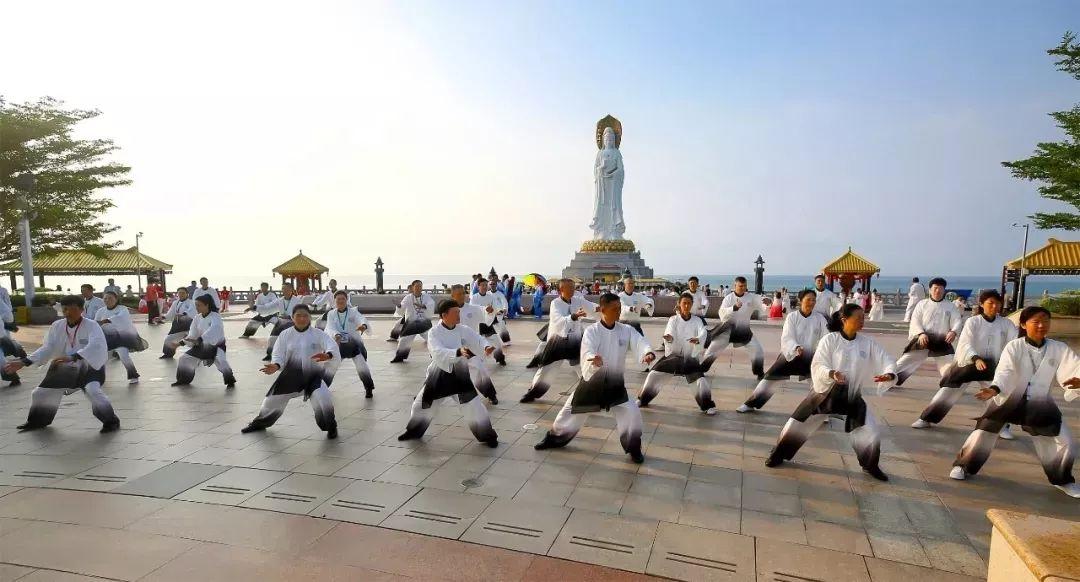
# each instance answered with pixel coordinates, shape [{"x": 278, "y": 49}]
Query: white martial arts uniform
[
  {"x": 603, "y": 387},
  {"x": 416, "y": 311},
  {"x": 682, "y": 358},
  {"x": 631, "y": 309},
  {"x": 701, "y": 303},
  {"x": 207, "y": 340},
  {"x": 859, "y": 360},
  {"x": 827, "y": 302},
  {"x": 734, "y": 329},
  {"x": 1024, "y": 376},
  {"x": 281, "y": 310},
  {"x": 265, "y": 308},
  {"x": 800, "y": 331},
  {"x": 563, "y": 342},
  {"x": 211, "y": 291},
  {"x": 343, "y": 326},
  {"x": 127, "y": 337},
  {"x": 935, "y": 319},
  {"x": 180, "y": 313},
  {"x": 8, "y": 346},
  {"x": 877, "y": 307},
  {"x": 85, "y": 343},
  {"x": 472, "y": 316},
  {"x": 916, "y": 293},
  {"x": 299, "y": 375},
  {"x": 448, "y": 376},
  {"x": 92, "y": 305},
  {"x": 488, "y": 327}
]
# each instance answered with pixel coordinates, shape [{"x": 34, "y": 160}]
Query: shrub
[{"x": 1067, "y": 303}]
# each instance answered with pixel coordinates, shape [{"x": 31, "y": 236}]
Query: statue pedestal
[{"x": 606, "y": 261}]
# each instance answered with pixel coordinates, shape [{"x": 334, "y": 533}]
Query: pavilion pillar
[
  {"x": 14, "y": 280},
  {"x": 41, "y": 280}
]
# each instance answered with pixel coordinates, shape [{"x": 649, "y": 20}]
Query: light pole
[
  {"x": 25, "y": 183},
  {"x": 138, "y": 262},
  {"x": 1021, "y": 284}
]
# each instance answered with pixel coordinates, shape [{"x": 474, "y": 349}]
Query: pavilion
[
  {"x": 1055, "y": 258},
  {"x": 121, "y": 262},
  {"x": 303, "y": 272},
  {"x": 849, "y": 268}
]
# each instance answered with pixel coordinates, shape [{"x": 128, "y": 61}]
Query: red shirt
[{"x": 153, "y": 292}]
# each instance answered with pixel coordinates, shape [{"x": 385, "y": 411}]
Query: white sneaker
[
  {"x": 1006, "y": 433},
  {"x": 711, "y": 411},
  {"x": 743, "y": 408},
  {"x": 133, "y": 381},
  {"x": 921, "y": 424},
  {"x": 637, "y": 401},
  {"x": 958, "y": 473},
  {"x": 1072, "y": 489}
]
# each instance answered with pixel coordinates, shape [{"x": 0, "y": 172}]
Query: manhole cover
[
  {"x": 530, "y": 426},
  {"x": 471, "y": 482}
]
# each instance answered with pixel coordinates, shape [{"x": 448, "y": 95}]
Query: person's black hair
[
  {"x": 806, "y": 292},
  {"x": 69, "y": 300},
  {"x": 990, "y": 294},
  {"x": 113, "y": 293},
  {"x": 686, "y": 295},
  {"x": 777, "y": 295},
  {"x": 740, "y": 279},
  {"x": 822, "y": 277},
  {"x": 207, "y": 301},
  {"x": 264, "y": 283},
  {"x": 479, "y": 281},
  {"x": 300, "y": 307},
  {"x": 445, "y": 306},
  {"x": 693, "y": 278},
  {"x": 914, "y": 279},
  {"x": 86, "y": 286},
  {"x": 607, "y": 298},
  {"x": 415, "y": 281},
  {"x": 1029, "y": 312},
  {"x": 336, "y": 293},
  {"x": 849, "y": 309},
  {"x": 456, "y": 286},
  {"x": 290, "y": 285},
  {"x": 938, "y": 281}
]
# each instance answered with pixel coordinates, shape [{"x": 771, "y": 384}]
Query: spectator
[{"x": 112, "y": 287}]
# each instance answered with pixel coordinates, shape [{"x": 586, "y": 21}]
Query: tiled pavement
[{"x": 180, "y": 493}]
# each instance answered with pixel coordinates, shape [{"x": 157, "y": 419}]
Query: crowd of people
[{"x": 822, "y": 342}]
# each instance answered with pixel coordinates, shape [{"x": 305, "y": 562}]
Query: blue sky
[{"x": 787, "y": 129}]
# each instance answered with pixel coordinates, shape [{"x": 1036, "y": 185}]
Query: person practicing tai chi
[
  {"x": 935, "y": 325},
  {"x": 76, "y": 352},
  {"x": 301, "y": 355},
  {"x": 9, "y": 347},
  {"x": 347, "y": 325},
  {"x": 825, "y": 301},
  {"x": 845, "y": 363},
  {"x": 472, "y": 317},
  {"x": 603, "y": 385},
  {"x": 1020, "y": 394},
  {"x": 803, "y": 329},
  {"x": 121, "y": 336},
  {"x": 684, "y": 337},
  {"x": 499, "y": 290},
  {"x": 417, "y": 307},
  {"x": 283, "y": 319},
  {"x": 701, "y": 298},
  {"x": 977, "y": 353},
  {"x": 326, "y": 302},
  {"x": 734, "y": 328},
  {"x": 493, "y": 305},
  {"x": 206, "y": 345},
  {"x": 204, "y": 288},
  {"x": 565, "y": 328},
  {"x": 265, "y": 309},
  {"x": 91, "y": 302},
  {"x": 180, "y": 313},
  {"x": 633, "y": 302},
  {"x": 451, "y": 345},
  {"x": 916, "y": 294}
]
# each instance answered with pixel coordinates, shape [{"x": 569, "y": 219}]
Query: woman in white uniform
[
  {"x": 120, "y": 333},
  {"x": 684, "y": 339},
  {"x": 206, "y": 341},
  {"x": 347, "y": 326}
]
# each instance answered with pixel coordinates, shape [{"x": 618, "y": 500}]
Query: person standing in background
[
  {"x": 916, "y": 293},
  {"x": 154, "y": 299},
  {"x": 112, "y": 287},
  {"x": 224, "y": 294},
  {"x": 538, "y": 301},
  {"x": 191, "y": 288}
]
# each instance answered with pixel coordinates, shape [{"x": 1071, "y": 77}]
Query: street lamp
[
  {"x": 1021, "y": 284},
  {"x": 138, "y": 262},
  {"x": 25, "y": 183}
]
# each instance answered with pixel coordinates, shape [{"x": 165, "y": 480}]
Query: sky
[{"x": 456, "y": 136}]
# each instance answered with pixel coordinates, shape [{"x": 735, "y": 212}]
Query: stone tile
[
  {"x": 8, "y": 525},
  {"x": 56, "y": 576},
  {"x": 92, "y": 551},
  {"x": 516, "y": 525},
  {"x": 77, "y": 507},
  {"x": 670, "y": 488},
  {"x": 110, "y": 475},
  {"x": 599, "y": 500},
  {"x": 365, "y": 502},
  {"x": 496, "y": 485},
  {"x": 232, "y": 487},
  {"x": 438, "y": 513},
  {"x": 512, "y": 468},
  {"x": 170, "y": 480},
  {"x": 771, "y": 483},
  {"x": 237, "y": 526},
  {"x": 11, "y": 572},
  {"x": 281, "y": 462},
  {"x": 297, "y": 493},
  {"x": 545, "y": 492},
  {"x": 607, "y": 540},
  {"x": 958, "y": 557},
  {"x": 322, "y": 465},
  {"x": 711, "y": 516},
  {"x": 688, "y": 553},
  {"x": 610, "y": 479},
  {"x": 719, "y": 475},
  {"x": 777, "y": 560},
  {"x": 41, "y": 471},
  {"x": 651, "y": 507},
  {"x": 712, "y": 494},
  {"x": 769, "y": 502},
  {"x": 897, "y": 547},
  {"x": 386, "y": 454},
  {"x": 559, "y": 472},
  {"x": 217, "y": 562},
  {"x": 544, "y": 569},
  {"x": 773, "y": 526},
  {"x": 842, "y": 538},
  {"x": 889, "y": 571},
  {"x": 406, "y": 474}
]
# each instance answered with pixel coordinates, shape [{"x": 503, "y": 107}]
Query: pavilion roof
[
  {"x": 115, "y": 262},
  {"x": 1056, "y": 255},
  {"x": 301, "y": 264},
  {"x": 850, "y": 262}
]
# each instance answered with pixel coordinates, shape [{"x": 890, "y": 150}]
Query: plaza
[{"x": 180, "y": 494}]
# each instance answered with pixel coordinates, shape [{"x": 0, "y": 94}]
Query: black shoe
[
  {"x": 164, "y": 357},
  {"x": 494, "y": 401},
  {"x": 493, "y": 443},
  {"x": 180, "y": 384},
  {"x": 369, "y": 393},
  {"x": 876, "y": 473},
  {"x": 774, "y": 459},
  {"x": 251, "y": 428},
  {"x": 230, "y": 385},
  {"x": 406, "y": 437},
  {"x": 27, "y": 426},
  {"x": 397, "y": 360},
  {"x": 527, "y": 399},
  {"x": 638, "y": 457},
  {"x": 332, "y": 433},
  {"x": 266, "y": 359},
  {"x": 110, "y": 427},
  {"x": 543, "y": 445},
  {"x": 15, "y": 382},
  {"x": 502, "y": 363}
]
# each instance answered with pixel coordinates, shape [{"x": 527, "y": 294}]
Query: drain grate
[
  {"x": 703, "y": 562},
  {"x": 39, "y": 475},
  {"x": 283, "y": 496},
  {"x": 346, "y": 504},
  {"x": 225, "y": 489},
  {"x": 431, "y": 516},
  {"x": 512, "y": 529},
  {"x": 602, "y": 544},
  {"x": 785, "y": 577},
  {"x": 471, "y": 482},
  {"x": 103, "y": 478}
]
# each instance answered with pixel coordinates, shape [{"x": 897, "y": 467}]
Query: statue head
[{"x": 609, "y": 138}]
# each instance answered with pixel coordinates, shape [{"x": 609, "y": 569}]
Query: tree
[
  {"x": 65, "y": 203},
  {"x": 1057, "y": 164}
]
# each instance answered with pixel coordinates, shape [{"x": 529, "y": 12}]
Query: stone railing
[{"x": 1032, "y": 548}]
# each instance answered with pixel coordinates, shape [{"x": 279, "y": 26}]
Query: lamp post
[
  {"x": 379, "y": 275},
  {"x": 1021, "y": 284},
  {"x": 138, "y": 262},
  {"x": 25, "y": 183},
  {"x": 759, "y": 275}
]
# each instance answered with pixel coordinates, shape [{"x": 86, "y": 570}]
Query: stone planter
[{"x": 1061, "y": 326}]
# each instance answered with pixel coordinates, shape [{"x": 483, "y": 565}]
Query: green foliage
[
  {"x": 1056, "y": 165},
  {"x": 1067, "y": 303},
  {"x": 66, "y": 202}
]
